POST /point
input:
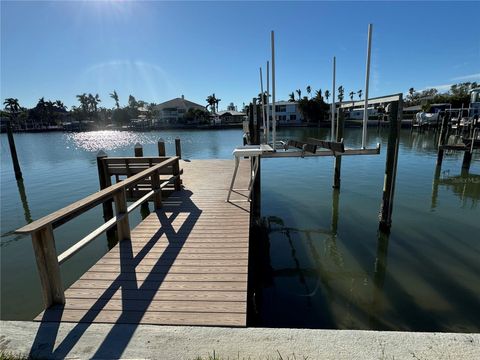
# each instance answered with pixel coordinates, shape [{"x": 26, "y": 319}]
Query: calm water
[{"x": 324, "y": 265}]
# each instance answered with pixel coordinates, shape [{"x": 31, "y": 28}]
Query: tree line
[
  {"x": 315, "y": 108},
  {"x": 51, "y": 113},
  {"x": 458, "y": 95}
]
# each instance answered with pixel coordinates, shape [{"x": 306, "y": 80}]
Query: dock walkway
[{"x": 186, "y": 263}]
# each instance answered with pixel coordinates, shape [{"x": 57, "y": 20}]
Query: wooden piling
[
  {"x": 123, "y": 225},
  {"x": 161, "y": 147},
  {"x": 178, "y": 148},
  {"x": 441, "y": 139},
  {"x": 105, "y": 181},
  {"x": 48, "y": 267},
  {"x": 391, "y": 165},
  {"x": 251, "y": 128},
  {"x": 138, "y": 150},
  {"x": 338, "y": 157},
  {"x": 467, "y": 159},
  {"x": 13, "y": 152},
  {"x": 157, "y": 198}
]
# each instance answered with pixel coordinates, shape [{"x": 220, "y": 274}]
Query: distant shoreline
[{"x": 348, "y": 124}]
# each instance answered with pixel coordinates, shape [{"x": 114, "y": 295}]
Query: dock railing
[{"x": 41, "y": 230}]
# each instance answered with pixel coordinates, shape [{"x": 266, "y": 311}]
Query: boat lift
[{"x": 270, "y": 147}]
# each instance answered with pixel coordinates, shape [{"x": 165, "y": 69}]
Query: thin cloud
[
  {"x": 468, "y": 77},
  {"x": 440, "y": 88}
]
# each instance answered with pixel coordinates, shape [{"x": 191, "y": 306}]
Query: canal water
[{"x": 323, "y": 262}]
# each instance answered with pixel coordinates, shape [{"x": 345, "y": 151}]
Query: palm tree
[
  {"x": 216, "y": 102},
  {"x": 83, "y": 99},
  {"x": 411, "y": 92},
  {"x": 114, "y": 96},
  {"x": 299, "y": 92},
  {"x": 360, "y": 92},
  {"x": 291, "y": 97},
  {"x": 351, "y": 95},
  {"x": 309, "y": 89},
  {"x": 42, "y": 109},
  {"x": 59, "y": 105},
  {"x": 13, "y": 107},
  {"x": 340, "y": 93},
  {"x": 327, "y": 94},
  {"x": 211, "y": 101},
  {"x": 97, "y": 101},
  {"x": 50, "y": 110},
  {"x": 132, "y": 102},
  {"x": 318, "y": 94}
]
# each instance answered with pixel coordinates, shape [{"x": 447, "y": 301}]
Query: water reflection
[
  {"x": 379, "y": 273},
  {"x": 465, "y": 186},
  {"x": 23, "y": 199}
]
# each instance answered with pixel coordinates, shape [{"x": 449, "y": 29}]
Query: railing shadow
[{"x": 115, "y": 342}]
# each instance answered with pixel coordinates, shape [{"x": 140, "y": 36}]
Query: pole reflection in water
[
  {"x": 23, "y": 198},
  {"x": 436, "y": 177},
  {"x": 466, "y": 186},
  {"x": 380, "y": 270}
]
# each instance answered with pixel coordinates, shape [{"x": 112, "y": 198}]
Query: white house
[
  {"x": 287, "y": 113},
  {"x": 357, "y": 114}
]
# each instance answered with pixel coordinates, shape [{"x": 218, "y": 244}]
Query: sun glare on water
[{"x": 105, "y": 140}]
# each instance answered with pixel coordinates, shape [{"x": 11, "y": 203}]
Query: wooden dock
[{"x": 185, "y": 264}]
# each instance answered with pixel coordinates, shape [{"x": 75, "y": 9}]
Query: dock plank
[{"x": 185, "y": 264}]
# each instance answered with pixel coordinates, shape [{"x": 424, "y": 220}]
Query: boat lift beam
[{"x": 348, "y": 152}]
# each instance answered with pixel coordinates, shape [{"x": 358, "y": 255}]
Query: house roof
[
  {"x": 413, "y": 108},
  {"x": 231, "y": 112},
  {"x": 282, "y": 102},
  {"x": 178, "y": 103}
]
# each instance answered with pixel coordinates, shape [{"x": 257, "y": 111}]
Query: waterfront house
[
  {"x": 172, "y": 111},
  {"x": 231, "y": 117},
  {"x": 287, "y": 113}
]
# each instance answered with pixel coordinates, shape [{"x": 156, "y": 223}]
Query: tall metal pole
[
  {"x": 268, "y": 102},
  {"x": 263, "y": 106},
  {"x": 274, "y": 120},
  {"x": 332, "y": 135},
  {"x": 367, "y": 78}
]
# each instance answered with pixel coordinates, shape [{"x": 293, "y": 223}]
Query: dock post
[
  {"x": 161, "y": 147},
  {"x": 178, "y": 148},
  {"x": 338, "y": 158},
  {"x": 176, "y": 172},
  {"x": 467, "y": 159},
  {"x": 138, "y": 150},
  {"x": 251, "y": 127},
  {"x": 256, "y": 123},
  {"x": 157, "y": 198},
  {"x": 441, "y": 139},
  {"x": 391, "y": 165},
  {"x": 123, "y": 225},
  {"x": 105, "y": 182},
  {"x": 48, "y": 267},
  {"x": 13, "y": 152}
]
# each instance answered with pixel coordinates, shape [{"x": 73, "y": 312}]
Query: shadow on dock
[{"x": 135, "y": 300}]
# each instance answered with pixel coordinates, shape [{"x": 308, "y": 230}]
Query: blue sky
[{"x": 160, "y": 50}]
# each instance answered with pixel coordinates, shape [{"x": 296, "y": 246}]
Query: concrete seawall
[{"x": 73, "y": 340}]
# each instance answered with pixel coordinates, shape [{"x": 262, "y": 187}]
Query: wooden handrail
[
  {"x": 77, "y": 208},
  {"x": 48, "y": 262}
]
